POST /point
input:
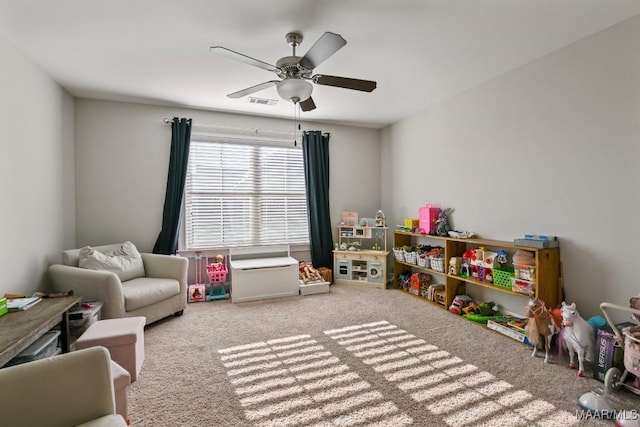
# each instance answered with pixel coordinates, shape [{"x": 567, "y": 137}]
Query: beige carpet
[{"x": 348, "y": 358}]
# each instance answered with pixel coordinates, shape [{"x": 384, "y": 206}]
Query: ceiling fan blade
[
  {"x": 307, "y": 105},
  {"x": 242, "y": 58},
  {"x": 252, "y": 89},
  {"x": 345, "y": 82},
  {"x": 327, "y": 45}
]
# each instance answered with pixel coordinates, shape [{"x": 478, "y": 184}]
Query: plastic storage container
[
  {"x": 43, "y": 347},
  {"x": 524, "y": 271},
  {"x": 523, "y": 286},
  {"x": 83, "y": 316}
]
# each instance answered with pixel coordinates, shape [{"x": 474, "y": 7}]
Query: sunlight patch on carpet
[
  {"x": 302, "y": 380},
  {"x": 446, "y": 385},
  {"x": 295, "y": 381}
]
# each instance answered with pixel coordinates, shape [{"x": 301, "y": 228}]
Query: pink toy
[{"x": 217, "y": 271}]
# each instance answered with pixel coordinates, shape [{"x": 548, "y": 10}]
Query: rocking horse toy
[
  {"x": 577, "y": 336},
  {"x": 540, "y": 328}
]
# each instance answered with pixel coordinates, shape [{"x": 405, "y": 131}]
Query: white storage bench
[{"x": 262, "y": 272}]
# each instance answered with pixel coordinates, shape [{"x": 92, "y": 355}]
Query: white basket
[
  {"x": 437, "y": 263},
  {"x": 411, "y": 257},
  {"x": 423, "y": 261},
  {"x": 399, "y": 254}
]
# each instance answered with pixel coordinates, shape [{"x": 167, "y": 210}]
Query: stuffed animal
[{"x": 442, "y": 223}]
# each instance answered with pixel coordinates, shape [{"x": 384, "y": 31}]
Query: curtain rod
[{"x": 239, "y": 130}]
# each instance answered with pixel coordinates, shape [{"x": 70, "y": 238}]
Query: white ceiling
[{"x": 420, "y": 52}]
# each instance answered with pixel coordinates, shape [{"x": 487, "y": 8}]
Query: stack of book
[{"x": 21, "y": 304}]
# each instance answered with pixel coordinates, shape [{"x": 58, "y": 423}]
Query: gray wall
[
  {"x": 122, "y": 153},
  {"x": 549, "y": 148},
  {"x": 37, "y": 213}
]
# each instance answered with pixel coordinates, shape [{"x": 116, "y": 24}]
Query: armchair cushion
[
  {"x": 145, "y": 291},
  {"x": 124, "y": 260}
]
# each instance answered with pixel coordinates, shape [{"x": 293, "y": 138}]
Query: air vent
[{"x": 262, "y": 101}]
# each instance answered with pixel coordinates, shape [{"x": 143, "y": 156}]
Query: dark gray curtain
[
  {"x": 167, "y": 242},
  {"x": 315, "y": 149}
]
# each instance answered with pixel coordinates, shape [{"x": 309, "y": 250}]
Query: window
[{"x": 240, "y": 192}]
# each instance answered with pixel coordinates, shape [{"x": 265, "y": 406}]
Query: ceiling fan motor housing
[{"x": 289, "y": 66}]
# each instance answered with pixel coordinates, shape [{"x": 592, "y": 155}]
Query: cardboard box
[
  {"x": 609, "y": 353},
  {"x": 411, "y": 223}
]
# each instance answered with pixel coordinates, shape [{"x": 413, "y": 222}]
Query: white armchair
[
  {"x": 72, "y": 389},
  {"x": 157, "y": 293}
]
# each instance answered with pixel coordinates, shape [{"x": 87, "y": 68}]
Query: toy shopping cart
[
  {"x": 629, "y": 339},
  {"x": 217, "y": 272}
]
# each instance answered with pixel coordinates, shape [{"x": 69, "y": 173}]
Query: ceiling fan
[{"x": 295, "y": 72}]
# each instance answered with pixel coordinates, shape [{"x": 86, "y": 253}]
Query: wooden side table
[{"x": 21, "y": 328}]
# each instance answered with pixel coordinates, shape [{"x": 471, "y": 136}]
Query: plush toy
[{"x": 442, "y": 223}]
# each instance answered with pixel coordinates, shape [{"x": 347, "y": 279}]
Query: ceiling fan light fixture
[{"x": 294, "y": 90}]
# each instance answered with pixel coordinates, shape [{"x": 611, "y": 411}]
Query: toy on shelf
[
  {"x": 524, "y": 257},
  {"x": 455, "y": 265},
  {"x": 577, "y": 336},
  {"x": 540, "y": 326},
  {"x": 483, "y": 312},
  {"x": 442, "y": 223},
  {"x": 459, "y": 303},
  {"x": 502, "y": 258}
]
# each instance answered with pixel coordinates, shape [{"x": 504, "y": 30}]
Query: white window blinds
[{"x": 243, "y": 193}]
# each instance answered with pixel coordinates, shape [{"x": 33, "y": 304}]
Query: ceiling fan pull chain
[{"x": 295, "y": 133}]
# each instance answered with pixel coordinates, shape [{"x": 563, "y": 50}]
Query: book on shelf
[{"x": 21, "y": 304}]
